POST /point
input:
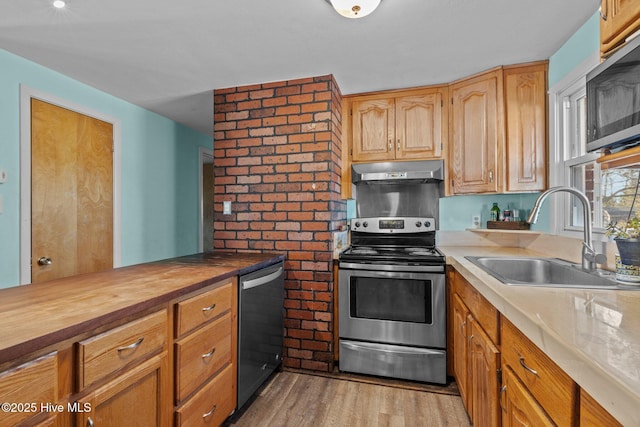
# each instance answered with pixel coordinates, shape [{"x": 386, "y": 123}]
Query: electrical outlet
[{"x": 475, "y": 221}]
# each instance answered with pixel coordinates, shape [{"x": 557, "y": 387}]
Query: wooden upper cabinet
[
  {"x": 525, "y": 90},
  {"x": 498, "y": 132},
  {"x": 373, "y": 129},
  {"x": 409, "y": 125},
  {"x": 618, "y": 20},
  {"x": 477, "y": 134},
  {"x": 419, "y": 126}
]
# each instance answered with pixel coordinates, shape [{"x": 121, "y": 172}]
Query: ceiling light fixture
[
  {"x": 354, "y": 8},
  {"x": 59, "y": 4}
]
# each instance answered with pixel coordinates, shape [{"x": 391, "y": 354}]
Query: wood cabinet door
[
  {"x": 135, "y": 398},
  {"x": 519, "y": 407},
  {"x": 373, "y": 123},
  {"x": 619, "y": 19},
  {"x": 419, "y": 126},
  {"x": 477, "y": 134},
  {"x": 592, "y": 414},
  {"x": 484, "y": 384},
  {"x": 461, "y": 349},
  {"x": 526, "y": 127}
]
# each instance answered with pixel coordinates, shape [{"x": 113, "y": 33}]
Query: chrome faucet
[{"x": 589, "y": 256}]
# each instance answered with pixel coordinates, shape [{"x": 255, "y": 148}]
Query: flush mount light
[
  {"x": 59, "y": 4},
  {"x": 354, "y": 8}
]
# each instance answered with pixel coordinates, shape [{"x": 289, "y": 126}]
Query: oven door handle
[{"x": 396, "y": 350}]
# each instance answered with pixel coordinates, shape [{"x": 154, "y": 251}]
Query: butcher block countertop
[
  {"x": 33, "y": 317},
  {"x": 593, "y": 335}
]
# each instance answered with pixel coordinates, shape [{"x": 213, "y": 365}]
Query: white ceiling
[{"x": 168, "y": 56}]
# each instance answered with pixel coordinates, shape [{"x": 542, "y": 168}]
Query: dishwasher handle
[{"x": 252, "y": 283}]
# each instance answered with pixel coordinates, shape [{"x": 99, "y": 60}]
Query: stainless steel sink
[{"x": 550, "y": 272}]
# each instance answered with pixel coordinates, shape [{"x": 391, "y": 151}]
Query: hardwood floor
[{"x": 299, "y": 400}]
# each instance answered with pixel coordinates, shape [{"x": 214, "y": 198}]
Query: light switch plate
[{"x": 226, "y": 208}]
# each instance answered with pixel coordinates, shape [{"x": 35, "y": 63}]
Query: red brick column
[{"x": 277, "y": 160}]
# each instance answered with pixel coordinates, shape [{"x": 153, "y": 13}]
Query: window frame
[{"x": 559, "y": 168}]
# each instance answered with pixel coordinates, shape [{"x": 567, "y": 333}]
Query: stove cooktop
[{"x": 405, "y": 254}]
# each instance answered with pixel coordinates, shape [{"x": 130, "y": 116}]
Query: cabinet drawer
[
  {"x": 27, "y": 385},
  {"x": 211, "y": 405},
  {"x": 202, "y": 354},
  {"x": 481, "y": 309},
  {"x": 548, "y": 383},
  {"x": 200, "y": 309},
  {"x": 104, "y": 354}
]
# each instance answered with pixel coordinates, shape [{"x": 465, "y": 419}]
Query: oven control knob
[
  {"x": 427, "y": 224},
  {"x": 357, "y": 224},
  {"x": 418, "y": 224},
  {"x": 365, "y": 224}
]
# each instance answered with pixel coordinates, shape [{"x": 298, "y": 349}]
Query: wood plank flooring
[{"x": 299, "y": 400}]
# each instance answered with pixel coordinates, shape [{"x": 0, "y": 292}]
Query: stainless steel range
[{"x": 392, "y": 302}]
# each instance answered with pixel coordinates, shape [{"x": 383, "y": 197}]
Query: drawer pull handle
[
  {"x": 208, "y": 414},
  {"x": 90, "y": 422},
  {"x": 533, "y": 371},
  {"x": 211, "y": 307},
  {"x": 132, "y": 345},
  {"x": 213, "y": 350},
  {"x": 503, "y": 389}
]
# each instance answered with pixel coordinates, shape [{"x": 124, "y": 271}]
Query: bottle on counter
[{"x": 495, "y": 212}]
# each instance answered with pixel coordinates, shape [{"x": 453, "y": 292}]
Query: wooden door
[
  {"x": 484, "y": 385},
  {"x": 619, "y": 19},
  {"x": 520, "y": 409},
  {"x": 373, "y": 126},
  {"x": 477, "y": 134},
  {"x": 419, "y": 126},
  {"x": 526, "y": 118},
  {"x": 71, "y": 193}
]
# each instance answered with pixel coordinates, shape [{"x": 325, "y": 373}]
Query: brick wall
[{"x": 277, "y": 159}]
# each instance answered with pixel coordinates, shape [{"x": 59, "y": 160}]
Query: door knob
[{"x": 44, "y": 261}]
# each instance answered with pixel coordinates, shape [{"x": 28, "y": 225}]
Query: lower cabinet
[
  {"x": 206, "y": 339},
  {"x": 503, "y": 377},
  {"x": 519, "y": 407},
  {"x": 476, "y": 357},
  {"x": 175, "y": 364},
  {"x": 25, "y": 387},
  {"x": 592, "y": 414},
  {"x": 550, "y": 386},
  {"x": 135, "y": 398},
  {"x": 484, "y": 375}
]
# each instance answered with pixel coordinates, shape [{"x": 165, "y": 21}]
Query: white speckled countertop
[{"x": 593, "y": 335}]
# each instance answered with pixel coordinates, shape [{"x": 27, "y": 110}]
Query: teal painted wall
[
  {"x": 159, "y": 161},
  {"x": 582, "y": 44}
]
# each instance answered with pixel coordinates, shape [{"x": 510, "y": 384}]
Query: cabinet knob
[{"x": 390, "y": 145}]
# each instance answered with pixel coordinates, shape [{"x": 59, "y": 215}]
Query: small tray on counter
[{"x": 508, "y": 225}]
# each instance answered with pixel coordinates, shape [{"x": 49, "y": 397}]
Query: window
[{"x": 611, "y": 192}]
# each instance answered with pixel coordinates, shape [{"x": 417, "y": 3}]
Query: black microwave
[{"x": 613, "y": 101}]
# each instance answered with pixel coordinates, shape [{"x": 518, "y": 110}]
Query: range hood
[{"x": 397, "y": 172}]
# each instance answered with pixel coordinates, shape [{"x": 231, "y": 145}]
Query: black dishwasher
[{"x": 260, "y": 328}]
